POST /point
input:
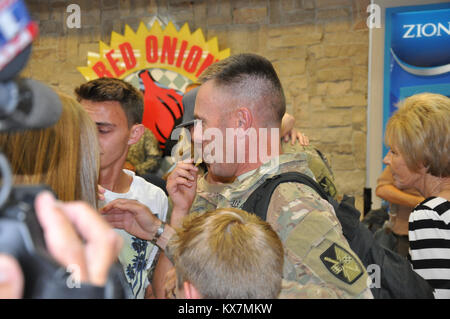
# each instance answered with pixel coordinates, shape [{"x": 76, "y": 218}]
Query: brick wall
[{"x": 319, "y": 48}]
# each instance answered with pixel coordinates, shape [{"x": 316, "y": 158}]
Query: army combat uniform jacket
[
  {"x": 145, "y": 155},
  {"x": 317, "y": 163},
  {"x": 318, "y": 260}
]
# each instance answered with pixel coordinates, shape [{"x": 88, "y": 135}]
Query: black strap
[{"x": 258, "y": 201}]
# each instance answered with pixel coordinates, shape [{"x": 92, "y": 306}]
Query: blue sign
[{"x": 417, "y": 54}]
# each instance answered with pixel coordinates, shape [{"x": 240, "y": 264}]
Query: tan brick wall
[{"x": 319, "y": 48}]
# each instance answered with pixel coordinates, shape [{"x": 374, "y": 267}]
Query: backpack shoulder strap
[{"x": 258, "y": 202}]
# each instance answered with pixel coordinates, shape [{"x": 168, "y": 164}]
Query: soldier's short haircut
[
  {"x": 111, "y": 89},
  {"x": 229, "y": 253},
  {"x": 253, "y": 78}
]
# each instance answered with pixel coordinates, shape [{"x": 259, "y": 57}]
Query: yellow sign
[
  {"x": 181, "y": 51},
  {"x": 161, "y": 63}
]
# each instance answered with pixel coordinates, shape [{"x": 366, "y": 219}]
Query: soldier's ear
[
  {"x": 136, "y": 132},
  {"x": 244, "y": 118}
]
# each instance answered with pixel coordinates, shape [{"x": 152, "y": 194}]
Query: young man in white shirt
[{"x": 117, "y": 107}]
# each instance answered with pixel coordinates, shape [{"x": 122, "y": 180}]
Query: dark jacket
[{"x": 397, "y": 279}]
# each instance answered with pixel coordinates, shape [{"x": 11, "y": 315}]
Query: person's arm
[
  {"x": 159, "y": 277},
  {"x": 312, "y": 232},
  {"x": 396, "y": 196},
  {"x": 287, "y": 124},
  {"x": 288, "y": 132},
  {"x": 138, "y": 220},
  {"x": 133, "y": 217},
  {"x": 181, "y": 186},
  {"x": 387, "y": 191}
]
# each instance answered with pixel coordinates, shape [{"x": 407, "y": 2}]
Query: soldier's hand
[
  {"x": 131, "y": 216},
  {"x": 182, "y": 186}
]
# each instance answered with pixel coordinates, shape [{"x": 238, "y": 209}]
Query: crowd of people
[{"x": 183, "y": 233}]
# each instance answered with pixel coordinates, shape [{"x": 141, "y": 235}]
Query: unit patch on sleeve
[{"x": 341, "y": 264}]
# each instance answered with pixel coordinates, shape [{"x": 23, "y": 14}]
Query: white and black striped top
[{"x": 429, "y": 239}]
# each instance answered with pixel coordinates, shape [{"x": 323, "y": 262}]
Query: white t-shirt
[{"x": 138, "y": 256}]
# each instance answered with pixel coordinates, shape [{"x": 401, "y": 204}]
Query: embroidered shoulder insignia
[
  {"x": 341, "y": 264},
  {"x": 235, "y": 203}
]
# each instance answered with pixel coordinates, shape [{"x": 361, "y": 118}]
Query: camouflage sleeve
[
  {"x": 318, "y": 164},
  {"x": 316, "y": 251},
  {"x": 152, "y": 154},
  {"x": 294, "y": 290},
  {"x": 135, "y": 153},
  {"x": 322, "y": 172},
  {"x": 201, "y": 205}
]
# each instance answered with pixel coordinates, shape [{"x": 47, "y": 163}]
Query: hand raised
[
  {"x": 182, "y": 185},
  {"x": 131, "y": 216}
]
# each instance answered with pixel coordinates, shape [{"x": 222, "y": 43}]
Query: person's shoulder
[
  {"x": 293, "y": 204},
  {"x": 294, "y": 191},
  {"x": 141, "y": 185},
  {"x": 433, "y": 204},
  {"x": 312, "y": 234},
  {"x": 432, "y": 208},
  {"x": 287, "y": 147},
  {"x": 278, "y": 165},
  {"x": 308, "y": 150}
]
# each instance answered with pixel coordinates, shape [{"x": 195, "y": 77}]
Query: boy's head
[
  {"x": 117, "y": 108},
  {"x": 227, "y": 253}
]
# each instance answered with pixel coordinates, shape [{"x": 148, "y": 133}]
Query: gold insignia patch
[{"x": 341, "y": 264}]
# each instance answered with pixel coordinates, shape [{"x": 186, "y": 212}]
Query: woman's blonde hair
[
  {"x": 419, "y": 129},
  {"x": 229, "y": 253},
  {"x": 64, "y": 156}
]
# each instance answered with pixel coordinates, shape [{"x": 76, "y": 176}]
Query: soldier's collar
[
  {"x": 241, "y": 177},
  {"x": 270, "y": 167}
]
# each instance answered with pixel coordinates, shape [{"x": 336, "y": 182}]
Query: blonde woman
[
  {"x": 64, "y": 156},
  {"x": 418, "y": 135}
]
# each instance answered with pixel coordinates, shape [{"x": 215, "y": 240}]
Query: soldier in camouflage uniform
[
  {"x": 317, "y": 254},
  {"x": 243, "y": 91},
  {"x": 316, "y": 251},
  {"x": 145, "y": 155}
]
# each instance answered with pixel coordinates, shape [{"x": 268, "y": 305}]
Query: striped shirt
[{"x": 429, "y": 238}]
